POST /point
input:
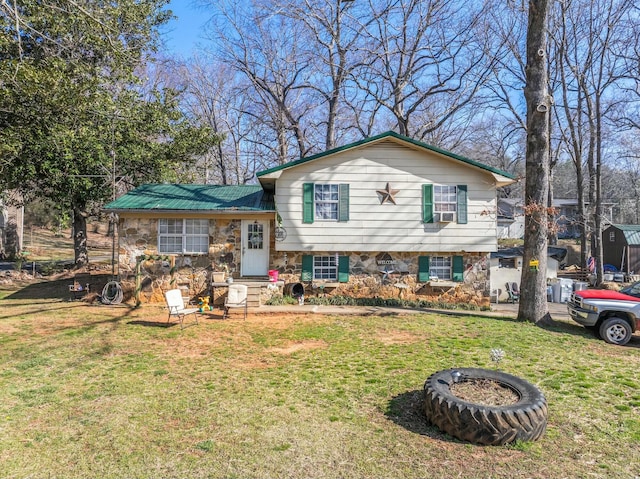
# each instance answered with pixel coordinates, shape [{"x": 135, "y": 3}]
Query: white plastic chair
[
  {"x": 236, "y": 298},
  {"x": 175, "y": 303}
]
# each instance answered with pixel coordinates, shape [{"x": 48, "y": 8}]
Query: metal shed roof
[
  {"x": 631, "y": 233},
  {"x": 174, "y": 197}
]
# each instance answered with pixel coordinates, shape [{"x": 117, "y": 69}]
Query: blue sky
[{"x": 182, "y": 34}]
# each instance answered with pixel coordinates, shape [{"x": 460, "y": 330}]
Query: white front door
[{"x": 255, "y": 247}]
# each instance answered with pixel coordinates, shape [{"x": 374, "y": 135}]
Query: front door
[{"x": 255, "y": 247}]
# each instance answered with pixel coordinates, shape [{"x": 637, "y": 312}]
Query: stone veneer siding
[
  {"x": 367, "y": 279},
  {"x": 139, "y": 236}
]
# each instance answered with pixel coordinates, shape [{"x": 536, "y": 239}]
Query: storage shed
[{"x": 621, "y": 247}]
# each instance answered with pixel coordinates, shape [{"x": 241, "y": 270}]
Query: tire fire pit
[{"x": 484, "y": 406}]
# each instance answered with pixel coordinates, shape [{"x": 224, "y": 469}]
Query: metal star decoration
[{"x": 387, "y": 195}]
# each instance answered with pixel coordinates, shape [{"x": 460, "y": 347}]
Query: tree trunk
[
  {"x": 80, "y": 236},
  {"x": 553, "y": 232},
  {"x": 598, "y": 184},
  {"x": 533, "y": 297}
]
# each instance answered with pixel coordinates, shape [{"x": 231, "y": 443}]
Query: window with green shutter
[
  {"x": 458, "y": 268},
  {"x": 462, "y": 204},
  {"x": 325, "y": 202},
  {"x": 423, "y": 269},
  {"x": 331, "y": 268},
  {"x": 447, "y": 268},
  {"x": 343, "y": 269},
  {"x": 444, "y": 203},
  {"x": 307, "y": 268},
  {"x": 427, "y": 203},
  {"x": 307, "y": 203}
]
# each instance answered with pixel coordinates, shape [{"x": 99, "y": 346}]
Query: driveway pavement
[{"x": 558, "y": 311}]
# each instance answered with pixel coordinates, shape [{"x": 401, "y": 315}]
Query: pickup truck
[{"x": 613, "y": 315}]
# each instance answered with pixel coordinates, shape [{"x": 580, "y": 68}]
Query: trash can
[
  {"x": 295, "y": 290},
  {"x": 566, "y": 290}
]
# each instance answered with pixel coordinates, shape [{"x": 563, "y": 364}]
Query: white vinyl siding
[
  {"x": 183, "y": 236},
  {"x": 373, "y": 226}
]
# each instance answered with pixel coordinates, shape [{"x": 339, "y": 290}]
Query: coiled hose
[{"x": 112, "y": 293}]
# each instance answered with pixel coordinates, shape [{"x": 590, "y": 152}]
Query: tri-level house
[{"x": 387, "y": 215}]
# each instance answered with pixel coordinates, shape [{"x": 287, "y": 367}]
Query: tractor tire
[{"x": 525, "y": 420}]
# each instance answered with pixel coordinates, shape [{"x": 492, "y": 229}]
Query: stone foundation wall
[
  {"x": 372, "y": 275},
  {"x": 368, "y": 278},
  {"x": 139, "y": 236}
]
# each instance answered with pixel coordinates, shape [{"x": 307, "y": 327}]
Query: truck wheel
[
  {"x": 526, "y": 420},
  {"x": 615, "y": 331}
]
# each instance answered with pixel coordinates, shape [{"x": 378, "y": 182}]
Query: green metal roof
[
  {"x": 631, "y": 233},
  {"x": 382, "y": 136},
  {"x": 216, "y": 198}
]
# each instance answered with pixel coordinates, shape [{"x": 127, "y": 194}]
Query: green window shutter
[
  {"x": 307, "y": 203},
  {"x": 427, "y": 203},
  {"x": 423, "y": 269},
  {"x": 462, "y": 204},
  {"x": 307, "y": 268},
  {"x": 343, "y": 269},
  {"x": 458, "y": 268},
  {"x": 343, "y": 202}
]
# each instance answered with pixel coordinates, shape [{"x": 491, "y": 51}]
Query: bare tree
[
  {"x": 500, "y": 130},
  {"x": 262, "y": 45},
  {"x": 427, "y": 61},
  {"x": 588, "y": 44},
  {"x": 533, "y": 300},
  {"x": 331, "y": 42},
  {"x": 215, "y": 96}
]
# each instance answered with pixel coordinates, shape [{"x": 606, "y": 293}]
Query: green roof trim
[
  {"x": 388, "y": 134},
  {"x": 200, "y": 198}
]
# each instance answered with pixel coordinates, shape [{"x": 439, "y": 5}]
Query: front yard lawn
[{"x": 109, "y": 391}]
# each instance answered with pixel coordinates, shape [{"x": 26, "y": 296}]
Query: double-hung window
[
  {"x": 447, "y": 268},
  {"x": 326, "y": 202},
  {"x": 183, "y": 236},
  {"x": 440, "y": 267},
  {"x": 325, "y": 267},
  {"x": 331, "y": 267},
  {"x": 445, "y": 198},
  {"x": 444, "y": 203}
]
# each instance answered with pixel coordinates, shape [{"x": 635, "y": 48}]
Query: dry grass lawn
[{"x": 112, "y": 391}]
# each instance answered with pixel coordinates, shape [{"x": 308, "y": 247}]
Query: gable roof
[
  {"x": 631, "y": 233},
  {"x": 507, "y": 178},
  {"x": 200, "y": 198}
]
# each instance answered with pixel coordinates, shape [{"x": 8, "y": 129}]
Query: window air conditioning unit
[{"x": 447, "y": 217}]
